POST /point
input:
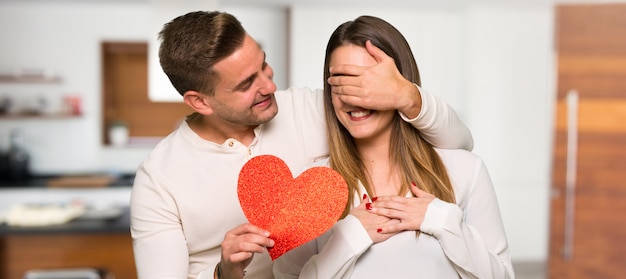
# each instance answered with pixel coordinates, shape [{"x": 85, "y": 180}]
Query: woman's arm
[{"x": 472, "y": 236}]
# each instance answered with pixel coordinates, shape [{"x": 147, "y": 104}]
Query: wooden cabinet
[
  {"x": 108, "y": 251},
  {"x": 103, "y": 244}
]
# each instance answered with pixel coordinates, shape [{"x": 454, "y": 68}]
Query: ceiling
[{"x": 458, "y": 3}]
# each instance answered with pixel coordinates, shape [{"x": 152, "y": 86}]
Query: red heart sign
[{"x": 294, "y": 211}]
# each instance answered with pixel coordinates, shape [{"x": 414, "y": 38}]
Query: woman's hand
[
  {"x": 409, "y": 211},
  {"x": 372, "y": 222}
]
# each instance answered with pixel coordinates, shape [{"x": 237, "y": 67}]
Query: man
[{"x": 186, "y": 220}]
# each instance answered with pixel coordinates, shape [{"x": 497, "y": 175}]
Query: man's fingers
[
  {"x": 375, "y": 52},
  {"x": 246, "y": 238},
  {"x": 248, "y": 228},
  {"x": 263, "y": 240},
  {"x": 346, "y": 70},
  {"x": 240, "y": 257}
]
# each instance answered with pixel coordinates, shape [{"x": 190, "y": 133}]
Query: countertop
[
  {"x": 43, "y": 180},
  {"x": 119, "y": 224},
  {"x": 114, "y": 198}
]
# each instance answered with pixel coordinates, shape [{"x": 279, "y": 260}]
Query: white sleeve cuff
[
  {"x": 439, "y": 215},
  {"x": 428, "y": 102},
  {"x": 352, "y": 232}
]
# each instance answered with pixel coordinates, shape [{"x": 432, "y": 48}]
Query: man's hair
[
  {"x": 415, "y": 158},
  {"x": 193, "y": 43}
]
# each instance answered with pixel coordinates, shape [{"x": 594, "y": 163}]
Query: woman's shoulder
[
  {"x": 463, "y": 168},
  {"x": 458, "y": 156}
]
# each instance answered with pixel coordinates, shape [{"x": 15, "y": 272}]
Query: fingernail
[
  {"x": 413, "y": 184},
  {"x": 379, "y": 230},
  {"x": 374, "y": 199},
  {"x": 368, "y": 206},
  {"x": 364, "y": 196}
]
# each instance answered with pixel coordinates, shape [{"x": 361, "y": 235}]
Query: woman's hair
[
  {"x": 414, "y": 158},
  {"x": 193, "y": 43}
]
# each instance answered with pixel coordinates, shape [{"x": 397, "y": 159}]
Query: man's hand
[
  {"x": 378, "y": 87},
  {"x": 239, "y": 246}
]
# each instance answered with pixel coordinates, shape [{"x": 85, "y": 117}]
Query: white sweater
[{"x": 462, "y": 240}]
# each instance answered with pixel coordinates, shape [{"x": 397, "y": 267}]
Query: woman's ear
[{"x": 198, "y": 102}]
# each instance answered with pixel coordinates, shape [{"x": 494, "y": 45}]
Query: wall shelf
[
  {"x": 4, "y": 78},
  {"x": 25, "y": 116}
]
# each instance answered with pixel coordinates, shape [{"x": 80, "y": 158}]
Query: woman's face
[{"x": 362, "y": 123}]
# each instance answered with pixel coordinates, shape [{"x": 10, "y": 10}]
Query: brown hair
[
  {"x": 193, "y": 43},
  {"x": 415, "y": 159}
]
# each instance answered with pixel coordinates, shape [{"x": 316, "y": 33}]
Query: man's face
[{"x": 244, "y": 94}]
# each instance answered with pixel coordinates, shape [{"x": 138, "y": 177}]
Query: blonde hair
[{"x": 411, "y": 156}]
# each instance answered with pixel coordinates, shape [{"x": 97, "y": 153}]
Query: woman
[{"x": 433, "y": 212}]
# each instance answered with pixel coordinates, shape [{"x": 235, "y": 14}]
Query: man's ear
[{"x": 198, "y": 102}]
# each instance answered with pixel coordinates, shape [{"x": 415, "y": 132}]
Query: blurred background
[{"x": 540, "y": 83}]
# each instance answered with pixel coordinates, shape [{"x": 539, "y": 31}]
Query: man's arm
[
  {"x": 159, "y": 245},
  {"x": 382, "y": 87},
  {"x": 439, "y": 124}
]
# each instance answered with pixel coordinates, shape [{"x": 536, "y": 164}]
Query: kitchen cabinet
[
  {"x": 99, "y": 239},
  {"x": 100, "y": 244}
]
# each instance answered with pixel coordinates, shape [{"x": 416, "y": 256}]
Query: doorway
[{"x": 588, "y": 206}]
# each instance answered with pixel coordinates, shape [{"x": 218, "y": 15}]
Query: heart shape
[{"x": 294, "y": 211}]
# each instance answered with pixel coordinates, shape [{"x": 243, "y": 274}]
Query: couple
[{"x": 425, "y": 211}]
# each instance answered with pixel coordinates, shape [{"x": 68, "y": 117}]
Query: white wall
[
  {"x": 440, "y": 59},
  {"x": 267, "y": 24},
  {"x": 494, "y": 65},
  {"x": 65, "y": 37},
  {"x": 510, "y": 92}
]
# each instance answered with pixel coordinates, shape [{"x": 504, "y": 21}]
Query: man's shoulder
[{"x": 165, "y": 145}]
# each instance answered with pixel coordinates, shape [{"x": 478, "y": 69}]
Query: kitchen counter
[
  {"x": 95, "y": 242},
  {"x": 45, "y": 180},
  {"x": 107, "y": 208},
  {"x": 116, "y": 224}
]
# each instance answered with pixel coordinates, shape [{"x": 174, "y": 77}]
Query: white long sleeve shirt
[
  {"x": 184, "y": 197},
  {"x": 462, "y": 240}
]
